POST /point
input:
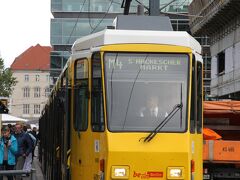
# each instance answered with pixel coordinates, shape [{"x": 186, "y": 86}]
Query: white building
[
  {"x": 31, "y": 70},
  {"x": 220, "y": 21}
]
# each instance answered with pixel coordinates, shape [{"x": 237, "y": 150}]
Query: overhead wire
[
  {"x": 166, "y": 5},
  {"x": 88, "y": 13},
  {"x": 121, "y": 4},
  {"x": 89, "y": 19},
  {"x": 179, "y": 5},
  {"x": 75, "y": 23},
  {"x": 111, "y": 2},
  {"x": 177, "y": 12},
  {"x": 183, "y": 13}
]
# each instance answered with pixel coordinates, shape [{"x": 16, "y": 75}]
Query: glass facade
[
  {"x": 64, "y": 33},
  {"x": 66, "y": 30},
  {"x": 59, "y": 59},
  {"x": 180, "y": 6},
  {"x": 113, "y": 6},
  {"x": 77, "y": 18},
  {"x": 86, "y": 6}
]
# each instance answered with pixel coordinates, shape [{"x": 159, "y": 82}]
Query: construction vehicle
[{"x": 222, "y": 156}]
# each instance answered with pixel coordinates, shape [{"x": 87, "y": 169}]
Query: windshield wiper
[{"x": 163, "y": 122}]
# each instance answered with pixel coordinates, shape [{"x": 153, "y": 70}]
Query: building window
[
  {"x": 47, "y": 91},
  {"x": 36, "y": 109},
  {"x": 221, "y": 63},
  {"x": 26, "y": 108},
  {"x": 26, "y": 92},
  {"x": 37, "y": 92},
  {"x": 26, "y": 77},
  {"x": 37, "y": 78}
]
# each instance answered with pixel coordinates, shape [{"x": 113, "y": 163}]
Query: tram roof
[{"x": 116, "y": 36}]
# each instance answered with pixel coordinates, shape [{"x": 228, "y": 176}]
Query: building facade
[
  {"x": 220, "y": 20},
  {"x": 74, "y": 19},
  {"x": 31, "y": 70}
]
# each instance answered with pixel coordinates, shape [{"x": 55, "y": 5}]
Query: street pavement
[
  {"x": 38, "y": 175},
  {"x": 36, "y": 165}
]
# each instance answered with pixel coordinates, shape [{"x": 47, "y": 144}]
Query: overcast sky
[{"x": 23, "y": 23}]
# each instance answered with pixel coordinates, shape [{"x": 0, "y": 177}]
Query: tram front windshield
[{"x": 143, "y": 88}]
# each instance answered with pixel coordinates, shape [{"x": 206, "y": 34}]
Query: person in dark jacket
[
  {"x": 28, "y": 161},
  {"x": 8, "y": 149},
  {"x": 34, "y": 133},
  {"x": 25, "y": 147}
]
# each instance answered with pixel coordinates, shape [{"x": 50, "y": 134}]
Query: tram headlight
[
  {"x": 175, "y": 173},
  {"x": 120, "y": 172}
]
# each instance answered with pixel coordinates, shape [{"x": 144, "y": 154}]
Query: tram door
[
  {"x": 65, "y": 131},
  {"x": 80, "y": 137},
  {"x": 88, "y": 121},
  {"x": 97, "y": 117}
]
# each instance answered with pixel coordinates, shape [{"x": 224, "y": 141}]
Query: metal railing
[
  {"x": 207, "y": 12},
  {"x": 32, "y": 173}
]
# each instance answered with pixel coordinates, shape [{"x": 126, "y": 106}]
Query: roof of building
[{"x": 34, "y": 58}]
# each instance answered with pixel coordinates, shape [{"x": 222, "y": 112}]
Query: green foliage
[{"x": 7, "y": 81}]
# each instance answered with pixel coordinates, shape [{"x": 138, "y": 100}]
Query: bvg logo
[{"x": 148, "y": 174}]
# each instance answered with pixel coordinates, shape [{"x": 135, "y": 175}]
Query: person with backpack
[
  {"x": 34, "y": 137},
  {"x": 28, "y": 161}
]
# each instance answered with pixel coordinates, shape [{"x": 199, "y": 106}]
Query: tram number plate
[{"x": 206, "y": 176}]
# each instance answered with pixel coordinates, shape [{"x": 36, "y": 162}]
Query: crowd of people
[{"x": 17, "y": 145}]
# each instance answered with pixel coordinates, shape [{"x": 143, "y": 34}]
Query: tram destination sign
[{"x": 147, "y": 62}]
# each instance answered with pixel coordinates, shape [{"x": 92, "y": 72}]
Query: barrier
[{"x": 32, "y": 173}]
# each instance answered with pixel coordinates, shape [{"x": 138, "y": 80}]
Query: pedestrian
[
  {"x": 28, "y": 161},
  {"x": 11, "y": 128},
  {"x": 34, "y": 133},
  {"x": 8, "y": 150},
  {"x": 24, "y": 147}
]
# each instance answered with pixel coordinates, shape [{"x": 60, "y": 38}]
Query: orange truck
[{"x": 221, "y": 150}]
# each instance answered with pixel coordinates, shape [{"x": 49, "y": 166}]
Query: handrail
[{"x": 32, "y": 173}]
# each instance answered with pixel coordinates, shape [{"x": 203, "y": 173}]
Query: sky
[{"x": 23, "y": 23}]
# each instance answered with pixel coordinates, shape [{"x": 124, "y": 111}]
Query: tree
[{"x": 7, "y": 81}]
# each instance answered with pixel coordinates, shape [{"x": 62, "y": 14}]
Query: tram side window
[
  {"x": 199, "y": 97},
  {"x": 193, "y": 98},
  {"x": 97, "y": 121},
  {"x": 81, "y": 95}
]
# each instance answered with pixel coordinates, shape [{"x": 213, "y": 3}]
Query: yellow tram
[{"x": 128, "y": 105}]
